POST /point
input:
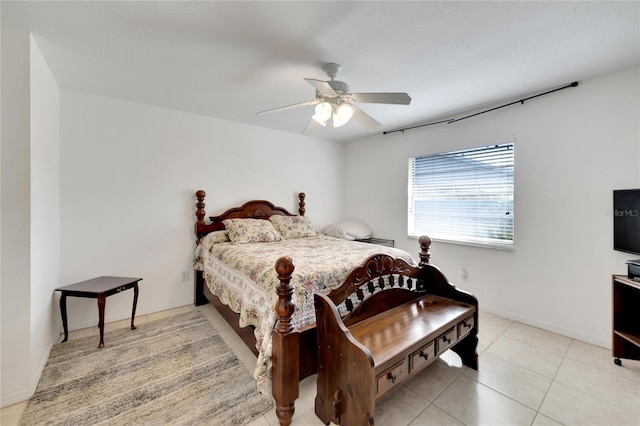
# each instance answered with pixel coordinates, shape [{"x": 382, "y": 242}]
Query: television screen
[{"x": 626, "y": 220}]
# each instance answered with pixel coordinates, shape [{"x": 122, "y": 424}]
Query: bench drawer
[
  {"x": 423, "y": 356},
  {"x": 465, "y": 326},
  {"x": 446, "y": 340},
  {"x": 388, "y": 379}
]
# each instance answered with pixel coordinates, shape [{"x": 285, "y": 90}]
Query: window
[{"x": 463, "y": 196}]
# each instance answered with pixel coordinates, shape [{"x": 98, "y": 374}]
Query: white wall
[
  {"x": 45, "y": 206},
  {"x": 30, "y": 188},
  {"x": 15, "y": 368},
  {"x": 572, "y": 149},
  {"x": 129, "y": 173}
]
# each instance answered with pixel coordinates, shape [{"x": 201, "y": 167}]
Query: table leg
[
  {"x": 135, "y": 303},
  {"x": 101, "y": 302},
  {"x": 63, "y": 312}
]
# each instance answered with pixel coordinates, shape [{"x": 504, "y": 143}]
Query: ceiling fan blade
[
  {"x": 364, "y": 119},
  {"x": 382, "y": 98},
  {"x": 322, "y": 87},
  {"x": 311, "y": 102}
]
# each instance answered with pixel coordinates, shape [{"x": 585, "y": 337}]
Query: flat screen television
[{"x": 626, "y": 220}]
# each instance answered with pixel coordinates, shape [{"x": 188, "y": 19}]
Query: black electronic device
[
  {"x": 626, "y": 220},
  {"x": 633, "y": 271}
]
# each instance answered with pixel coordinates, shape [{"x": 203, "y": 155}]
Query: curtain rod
[{"x": 453, "y": 120}]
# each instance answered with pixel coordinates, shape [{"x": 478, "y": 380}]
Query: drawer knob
[
  {"x": 424, "y": 355},
  {"x": 392, "y": 377},
  {"x": 446, "y": 339},
  {"x": 466, "y": 325}
]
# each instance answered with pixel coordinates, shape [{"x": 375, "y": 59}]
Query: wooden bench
[{"x": 385, "y": 323}]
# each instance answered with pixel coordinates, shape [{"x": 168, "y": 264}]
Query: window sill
[{"x": 488, "y": 245}]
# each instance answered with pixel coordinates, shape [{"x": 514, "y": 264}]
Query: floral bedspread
[{"x": 243, "y": 276}]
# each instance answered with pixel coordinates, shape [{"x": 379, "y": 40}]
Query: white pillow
[
  {"x": 349, "y": 230},
  {"x": 335, "y": 230}
]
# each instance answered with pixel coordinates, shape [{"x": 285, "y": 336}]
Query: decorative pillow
[
  {"x": 216, "y": 237},
  {"x": 293, "y": 226},
  {"x": 349, "y": 230},
  {"x": 251, "y": 231},
  {"x": 207, "y": 242}
]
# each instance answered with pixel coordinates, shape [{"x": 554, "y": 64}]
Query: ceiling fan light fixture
[
  {"x": 334, "y": 101},
  {"x": 342, "y": 113},
  {"x": 323, "y": 113}
]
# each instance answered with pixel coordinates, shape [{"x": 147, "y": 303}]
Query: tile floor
[{"x": 527, "y": 376}]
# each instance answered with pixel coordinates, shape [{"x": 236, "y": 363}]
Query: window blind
[{"x": 463, "y": 196}]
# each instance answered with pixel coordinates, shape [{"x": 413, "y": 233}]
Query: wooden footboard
[{"x": 286, "y": 349}]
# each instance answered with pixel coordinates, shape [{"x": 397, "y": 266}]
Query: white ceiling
[{"x": 232, "y": 59}]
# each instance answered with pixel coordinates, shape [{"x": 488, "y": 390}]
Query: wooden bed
[{"x": 294, "y": 349}]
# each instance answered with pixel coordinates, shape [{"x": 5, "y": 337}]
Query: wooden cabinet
[{"x": 626, "y": 318}]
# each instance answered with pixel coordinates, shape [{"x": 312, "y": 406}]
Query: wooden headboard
[{"x": 254, "y": 209}]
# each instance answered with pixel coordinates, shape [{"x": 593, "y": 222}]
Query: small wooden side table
[{"x": 98, "y": 288}]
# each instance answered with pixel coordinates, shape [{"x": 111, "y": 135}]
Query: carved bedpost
[
  {"x": 301, "y": 208},
  {"x": 285, "y": 306},
  {"x": 425, "y": 255},
  {"x": 198, "y": 277},
  {"x": 200, "y": 212},
  {"x": 285, "y": 347},
  {"x": 200, "y": 206}
]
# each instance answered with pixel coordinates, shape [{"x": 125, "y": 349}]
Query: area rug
[{"x": 171, "y": 371}]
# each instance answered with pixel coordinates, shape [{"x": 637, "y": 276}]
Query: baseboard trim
[{"x": 593, "y": 340}]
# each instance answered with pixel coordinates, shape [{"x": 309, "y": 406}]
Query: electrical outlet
[{"x": 185, "y": 275}]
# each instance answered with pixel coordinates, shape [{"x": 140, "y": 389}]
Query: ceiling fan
[{"x": 335, "y": 104}]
